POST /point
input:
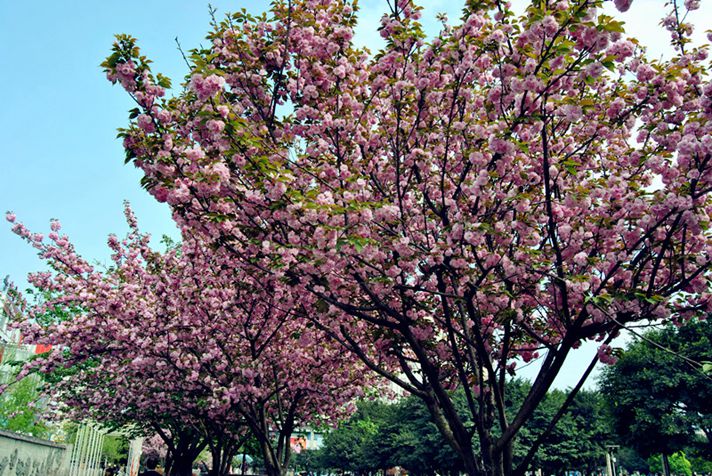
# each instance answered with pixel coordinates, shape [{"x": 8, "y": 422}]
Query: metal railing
[{"x": 85, "y": 459}]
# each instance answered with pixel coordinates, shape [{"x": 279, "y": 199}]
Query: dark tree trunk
[
  {"x": 182, "y": 466},
  {"x": 273, "y": 467},
  {"x": 222, "y": 453},
  {"x": 454, "y": 433},
  {"x": 168, "y": 463},
  {"x": 276, "y": 454},
  {"x": 184, "y": 446},
  {"x": 243, "y": 462},
  {"x": 217, "y": 457},
  {"x": 469, "y": 463},
  {"x": 666, "y": 465}
]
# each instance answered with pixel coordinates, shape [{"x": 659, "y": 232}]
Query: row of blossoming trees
[
  {"x": 444, "y": 211},
  {"x": 184, "y": 344}
]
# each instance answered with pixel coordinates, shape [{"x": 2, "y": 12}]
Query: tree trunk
[
  {"x": 666, "y": 465},
  {"x": 168, "y": 464},
  {"x": 498, "y": 460},
  {"x": 274, "y": 469},
  {"x": 182, "y": 466},
  {"x": 222, "y": 455},
  {"x": 243, "y": 462},
  {"x": 183, "y": 457},
  {"x": 455, "y": 434},
  {"x": 470, "y": 465},
  {"x": 184, "y": 445},
  {"x": 508, "y": 458},
  {"x": 273, "y": 466},
  {"x": 216, "y": 467},
  {"x": 226, "y": 464}
]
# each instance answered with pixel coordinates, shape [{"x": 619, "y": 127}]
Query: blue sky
[{"x": 60, "y": 158}]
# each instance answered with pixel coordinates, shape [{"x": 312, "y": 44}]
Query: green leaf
[{"x": 707, "y": 367}]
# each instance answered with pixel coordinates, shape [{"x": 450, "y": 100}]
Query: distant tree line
[
  {"x": 654, "y": 402},
  {"x": 383, "y": 435},
  {"x": 660, "y": 395}
]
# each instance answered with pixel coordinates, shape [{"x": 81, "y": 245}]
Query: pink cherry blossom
[
  {"x": 445, "y": 209},
  {"x": 622, "y": 5},
  {"x": 185, "y": 339}
]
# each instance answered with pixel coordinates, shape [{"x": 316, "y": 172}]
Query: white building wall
[{"x": 22, "y": 455}]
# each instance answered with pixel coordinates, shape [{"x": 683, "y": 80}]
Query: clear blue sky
[{"x": 59, "y": 156}]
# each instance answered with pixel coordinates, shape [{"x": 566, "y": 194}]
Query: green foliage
[
  {"x": 53, "y": 315},
  {"x": 413, "y": 441},
  {"x": 382, "y": 435},
  {"x": 660, "y": 399},
  {"x": 20, "y": 409},
  {"x": 679, "y": 464},
  {"x": 353, "y": 446},
  {"x": 579, "y": 439},
  {"x": 115, "y": 449},
  {"x": 70, "y": 429},
  {"x": 631, "y": 460},
  {"x": 308, "y": 461},
  {"x": 250, "y": 448},
  {"x": 700, "y": 465},
  {"x": 707, "y": 367}
]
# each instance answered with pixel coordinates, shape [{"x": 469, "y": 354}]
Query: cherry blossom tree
[
  {"x": 103, "y": 366},
  {"x": 449, "y": 209},
  {"x": 186, "y": 345}
]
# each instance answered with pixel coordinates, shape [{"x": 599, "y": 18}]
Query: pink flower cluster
[{"x": 446, "y": 209}]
